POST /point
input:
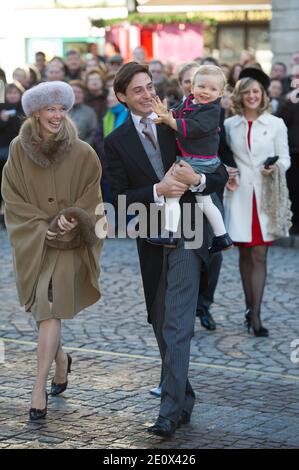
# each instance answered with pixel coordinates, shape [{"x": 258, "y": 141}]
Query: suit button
[{"x": 50, "y": 199}]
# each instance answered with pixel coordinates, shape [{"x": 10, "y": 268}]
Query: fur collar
[{"x": 47, "y": 152}]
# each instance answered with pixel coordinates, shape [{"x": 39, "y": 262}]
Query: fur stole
[{"x": 47, "y": 152}]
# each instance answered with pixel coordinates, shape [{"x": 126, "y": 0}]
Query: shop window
[
  {"x": 231, "y": 41},
  {"x": 259, "y": 37}
]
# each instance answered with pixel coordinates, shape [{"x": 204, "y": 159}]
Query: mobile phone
[{"x": 270, "y": 161}]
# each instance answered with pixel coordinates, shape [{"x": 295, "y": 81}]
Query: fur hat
[{"x": 45, "y": 94}]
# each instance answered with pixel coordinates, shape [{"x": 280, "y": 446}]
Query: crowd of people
[
  {"x": 97, "y": 111},
  {"x": 200, "y": 133}
]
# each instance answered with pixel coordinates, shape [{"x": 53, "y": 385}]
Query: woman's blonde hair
[
  {"x": 211, "y": 70},
  {"x": 239, "y": 90}
]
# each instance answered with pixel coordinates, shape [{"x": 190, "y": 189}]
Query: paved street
[{"x": 247, "y": 388}]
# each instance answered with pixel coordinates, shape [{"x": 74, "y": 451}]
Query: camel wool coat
[
  {"x": 42, "y": 179},
  {"x": 268, "y": 138}
]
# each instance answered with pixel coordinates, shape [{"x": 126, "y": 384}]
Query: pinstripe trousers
[{"x": 173, "y": 318}]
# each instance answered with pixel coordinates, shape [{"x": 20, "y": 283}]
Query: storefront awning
[{"x": 151, "y": 6}]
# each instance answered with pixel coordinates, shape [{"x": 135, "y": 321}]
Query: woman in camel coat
[{"x": 51, "y": 189}]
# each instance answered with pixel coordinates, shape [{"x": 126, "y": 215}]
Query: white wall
[{"x": 19, "y": 24}]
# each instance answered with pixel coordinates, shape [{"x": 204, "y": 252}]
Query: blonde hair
[
  {"x": 239, "y": 90},
  {"x": 211, "y": 70}
]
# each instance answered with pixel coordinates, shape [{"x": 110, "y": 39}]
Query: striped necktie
[{"x": 148, "y": 132}]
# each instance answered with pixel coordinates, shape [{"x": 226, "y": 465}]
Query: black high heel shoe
[
  {"x": 261, "y": 332},
  {"x": 35, "y": 413},
  {"x": 56, "y": 389}
]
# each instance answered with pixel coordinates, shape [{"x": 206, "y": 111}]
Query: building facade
[
  {"x": 229, "y": 26},
  {"x": 285, "y": 29},
  {"x": 28, "y": 26}
]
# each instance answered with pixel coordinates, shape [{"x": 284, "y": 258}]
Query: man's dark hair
[
  {"x": 41, "y": 53},
  {"x": 155, "y": 61},
  {"x": 280, "y": 63},
  {"x": 210, "y": 60},
  {"x": 125, "y": 75},
  {"x": 72, "y": 52},
  {"x": 185, "y": 68}
]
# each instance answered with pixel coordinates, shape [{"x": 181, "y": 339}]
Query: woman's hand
[
  {"x": 232, "y": 184},
  {"x": 268, "y": 171},
  {"x": 66, "y": 226},
  {"x": 233, "y": 178},
  {"x": 51, "y": 235},
  {"x": 232, "y": 172}
]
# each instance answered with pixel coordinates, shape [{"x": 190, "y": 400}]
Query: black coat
[
  {"x": 289, "y": 112},
  {"x": 130, "y": 173},
  {"x": 10, "y": 129},
  {"x": 198, "y": 127}
]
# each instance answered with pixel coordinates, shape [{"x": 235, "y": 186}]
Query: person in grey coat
[{"x": 83, "y": 115}]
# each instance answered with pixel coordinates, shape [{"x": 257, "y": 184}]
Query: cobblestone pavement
[{"x": 247, "y": 387}]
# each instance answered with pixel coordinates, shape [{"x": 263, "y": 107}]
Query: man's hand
[
  {"x": 169, "y": 186},
  {"x": 184, "y": 173}
]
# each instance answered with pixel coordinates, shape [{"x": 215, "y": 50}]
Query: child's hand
[
  {"x": 162, "y": 119},
  {"x": 158, "y": 107},
  {"x": 164, "y": 116}
]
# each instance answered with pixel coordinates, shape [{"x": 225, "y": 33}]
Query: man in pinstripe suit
[{"x": 138, "y": 167}]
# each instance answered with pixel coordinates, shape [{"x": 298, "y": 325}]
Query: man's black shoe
[
  {"x": 185, "y": 418},
  {"x": 163, "y": 427},
  {"x": 206, "y": 319}
]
